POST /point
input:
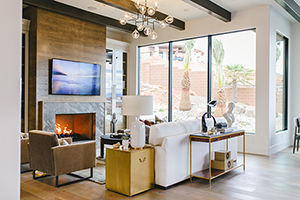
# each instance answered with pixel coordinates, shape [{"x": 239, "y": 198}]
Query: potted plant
[{"x": 125, "y": 142}]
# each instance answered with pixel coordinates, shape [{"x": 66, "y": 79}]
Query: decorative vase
[{"x": 125, "y": 144}]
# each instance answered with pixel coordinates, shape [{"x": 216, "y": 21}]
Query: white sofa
[{"x": 172, "y": 151}]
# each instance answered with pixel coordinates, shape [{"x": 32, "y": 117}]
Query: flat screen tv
[{"x": 74, "y": 78}]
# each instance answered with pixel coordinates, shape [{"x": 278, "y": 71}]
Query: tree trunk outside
[
  {"x": 185, "y": 102},
  {"x": 221, "y": 105}
]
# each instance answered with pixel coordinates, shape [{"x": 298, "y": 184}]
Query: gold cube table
[{"x": 130, "y": 171}]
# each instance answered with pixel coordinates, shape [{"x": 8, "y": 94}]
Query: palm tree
[
  {"x": 237, "y": 74},
  {"x": 218, "y": 53},
  {"x": 185, "y": 102}
]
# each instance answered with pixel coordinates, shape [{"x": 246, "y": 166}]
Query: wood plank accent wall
[{"x": 54, "y": 35}]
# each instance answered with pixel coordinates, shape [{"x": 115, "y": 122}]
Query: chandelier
[{"x": 144, "y": 20}]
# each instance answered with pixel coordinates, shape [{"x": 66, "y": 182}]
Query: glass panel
[
  {"x": 280, "y": 86},
  {"x": 114, "y": 90},
  {"x": 154, "y": 77},
  {"x": 108, "y": 85},
  {"x": 189, "y": 79},
  {"x": 234, "y": 76},
  {"x": 117, "y": 101}
]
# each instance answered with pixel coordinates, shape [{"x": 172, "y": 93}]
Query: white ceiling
[{"x": 176, "y": 8}]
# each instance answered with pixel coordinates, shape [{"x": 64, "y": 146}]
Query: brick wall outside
[{"x": 157, "y": 73}]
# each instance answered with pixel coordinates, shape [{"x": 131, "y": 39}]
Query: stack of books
[{"x": 225, "y": 130}]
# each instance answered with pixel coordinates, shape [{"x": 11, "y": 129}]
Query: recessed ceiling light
[
  {"x": 92, "y": 8},
  {"x": 186, "y": 10}
]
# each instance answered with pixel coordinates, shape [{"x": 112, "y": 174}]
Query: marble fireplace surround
[{"x": 48, "y": 110}]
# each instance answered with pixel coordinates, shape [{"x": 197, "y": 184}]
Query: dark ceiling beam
[
  {"x": 79, "y": 14},
  {"x": 291, "y": 7},
  {"x": 128, "y": 6},
  {"x": 211, "y": 9}
]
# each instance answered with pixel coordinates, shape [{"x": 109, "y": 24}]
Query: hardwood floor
[{"x": 274, "y": 177}]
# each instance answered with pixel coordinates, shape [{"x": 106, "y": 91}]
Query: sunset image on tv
[{"x": 75, "y": 78}]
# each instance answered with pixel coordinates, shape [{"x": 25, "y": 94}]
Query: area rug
[{"x": 99, "y": 172}]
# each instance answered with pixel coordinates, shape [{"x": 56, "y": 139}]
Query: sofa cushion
[{"x": 160, "y": 131}]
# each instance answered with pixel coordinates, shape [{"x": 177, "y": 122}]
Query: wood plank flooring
[{"x": 274, "y": 177}]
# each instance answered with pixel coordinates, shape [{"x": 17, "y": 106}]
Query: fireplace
[
  {"x": 79, "y": 126},
  {"x": 49, "y": 110}
]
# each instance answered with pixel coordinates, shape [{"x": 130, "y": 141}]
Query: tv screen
[{"x": 75, "y": 78}]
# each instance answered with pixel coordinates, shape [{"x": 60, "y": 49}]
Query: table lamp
[{"x": 137, "y": 106}]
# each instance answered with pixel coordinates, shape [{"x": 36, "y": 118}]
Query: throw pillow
[
  {"x": 24, "y": 135},
  {"x": 63, "y": 142}
]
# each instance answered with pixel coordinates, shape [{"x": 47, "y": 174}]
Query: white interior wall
[
  {"x": 10, "y": 56},
  {"x": 294, "y": 76},
  {"x": 252, "y": 18},
  {"x": 280, "y": 140}
]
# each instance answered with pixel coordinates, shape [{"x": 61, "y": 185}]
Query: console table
[{"x": 210, "y": 173}]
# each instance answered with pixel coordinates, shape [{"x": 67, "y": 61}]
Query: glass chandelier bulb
[
  {"x": 137, "y": 4},
  {"x": 162, "y": 24},
  {"x": 123, "y": 21},
  {"x": 151, "y": 11},
  {"x": 135, "y": 34},
  {"x": 147, "y": 30},
  {"x": 155, "y": 5},
  {"x": 153, "y": 35},
  {"x": 127, "y": 16},
  {"x": 140, "y": 27},
  {"x": 169, "y": 19},
  {"x": 142, "y": 9}
]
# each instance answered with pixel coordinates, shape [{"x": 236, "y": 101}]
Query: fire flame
[{"x": 60, "y": 130}]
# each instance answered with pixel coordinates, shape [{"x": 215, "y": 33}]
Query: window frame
[
  {"x": 285, "y": 82},
  {"x": 170, "y": 60}
]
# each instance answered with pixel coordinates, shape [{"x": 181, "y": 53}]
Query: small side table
[
  {"x": 106, "y": 139},
  {"x": 130, "y": 171}
]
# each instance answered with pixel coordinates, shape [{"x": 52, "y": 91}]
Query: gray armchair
[
  {"x": 24, "y": 151},
  {"x": 24, "y": 155},
  {"x": 47, "y": 156}
]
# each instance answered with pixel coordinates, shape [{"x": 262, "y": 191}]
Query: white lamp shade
[{"x": 137, "y": 105}]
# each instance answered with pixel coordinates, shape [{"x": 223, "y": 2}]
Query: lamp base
[{"x": 137, "y": 134}]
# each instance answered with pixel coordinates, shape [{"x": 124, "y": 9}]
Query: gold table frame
[{"x": 210, "y": 173}]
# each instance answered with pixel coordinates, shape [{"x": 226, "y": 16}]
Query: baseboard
[{"x": 280, "y": 146}]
